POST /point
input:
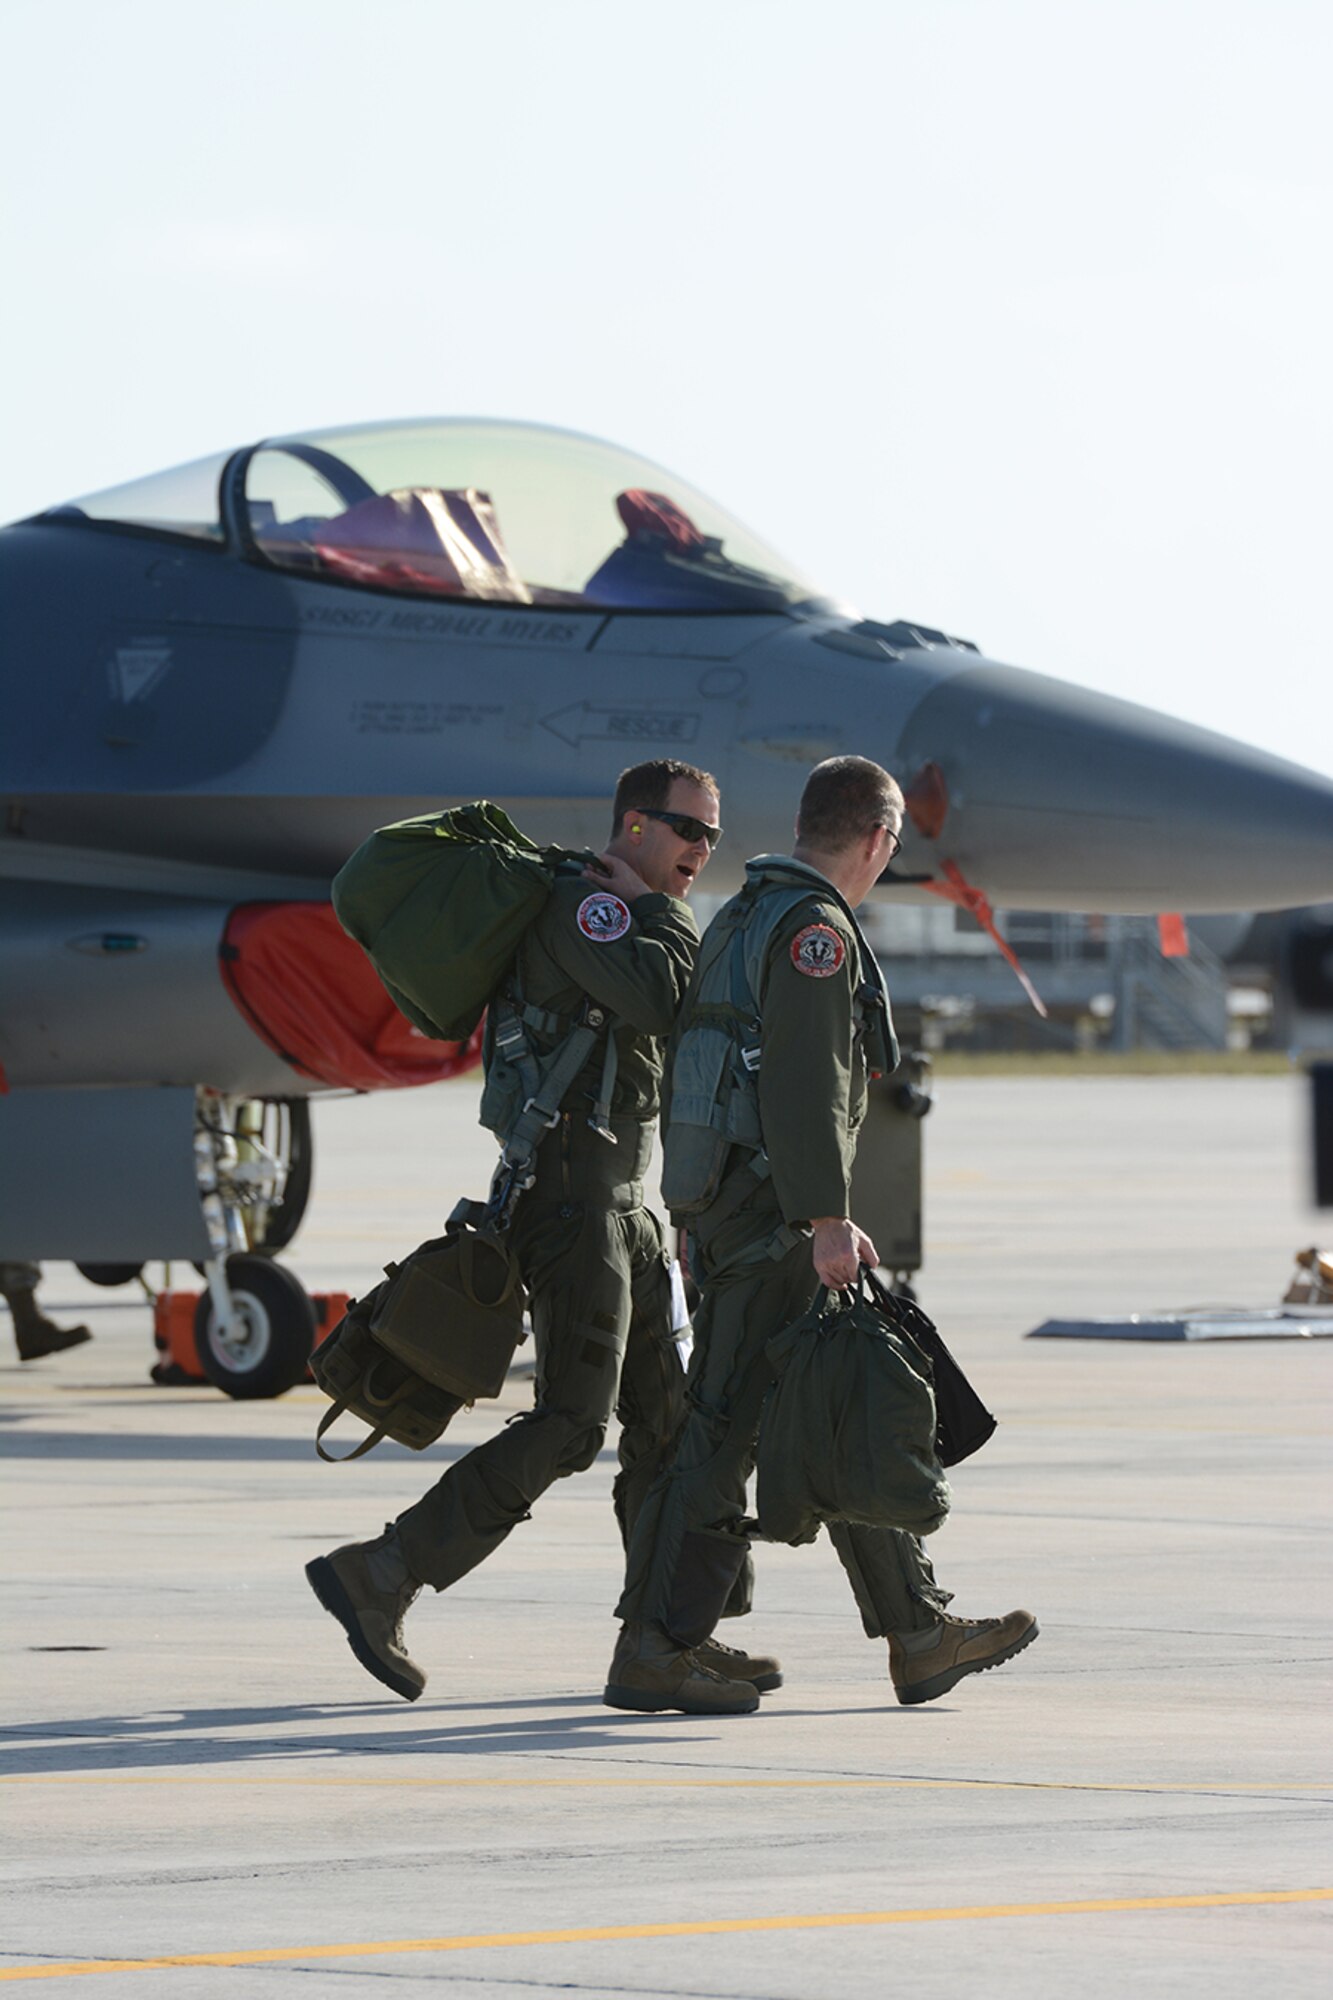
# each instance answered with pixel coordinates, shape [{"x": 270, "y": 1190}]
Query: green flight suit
[
  {"x": 592, "y": 1256},
  {"x": 753, "y": 1262}
]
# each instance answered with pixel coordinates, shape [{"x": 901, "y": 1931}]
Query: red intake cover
[{"x": 314, "y": 997}]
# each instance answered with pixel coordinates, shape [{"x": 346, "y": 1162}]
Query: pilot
[
  {"x": 591, "y": 1254},
  {"x": 770, "y": 1224},
  {"x": 34, "y": 1333}
]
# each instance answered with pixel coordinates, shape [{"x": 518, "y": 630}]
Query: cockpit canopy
[{"x": 474, "y": 509}]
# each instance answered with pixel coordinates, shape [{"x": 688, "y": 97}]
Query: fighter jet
[{"x": 219, "y": 678}]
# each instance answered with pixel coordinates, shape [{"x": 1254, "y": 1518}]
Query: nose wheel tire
[
  {"x": 266, "y": 1350},
  {"x": 109, "y": 1274}
]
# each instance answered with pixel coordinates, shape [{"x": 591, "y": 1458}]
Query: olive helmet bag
[
  {"x": 439, "y": 1332},
  {"x": 847, "y": 1431},
  {"x": 453, "y": 1312},
  {"x": 962, "y": 1421},
  {"x": 360, "y": 1376}
]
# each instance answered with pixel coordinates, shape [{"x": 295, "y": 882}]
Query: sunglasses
[{"x": 682, "y": 824}]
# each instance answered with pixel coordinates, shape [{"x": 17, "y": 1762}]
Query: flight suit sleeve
[
  {"x": 641, "y": 974},
  {"x": 805, "y": 1065}
]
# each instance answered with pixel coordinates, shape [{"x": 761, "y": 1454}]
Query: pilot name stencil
[{"x": 484, "y": 628}]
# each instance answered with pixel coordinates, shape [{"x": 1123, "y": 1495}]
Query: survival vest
[{"x": 714, "y": 1059}]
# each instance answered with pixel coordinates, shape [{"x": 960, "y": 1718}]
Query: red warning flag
[
  {"x": 957, "y": 889},
  {"x": 1173, "y": 935}
]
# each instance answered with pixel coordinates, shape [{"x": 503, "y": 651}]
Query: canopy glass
[{"x": 464, "y": 508}]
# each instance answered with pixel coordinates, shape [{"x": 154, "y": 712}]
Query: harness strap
[
  {"x": 543, "y": 1023},
  {"x": 600, "y": 1121},
  {"x": 512, "y": 1043},
  {"x": 778, "y": 1244},
  {"x": 541, "y": 1113},
  {"x": 517, "y": 1167},
  {"x": 736, "y": 1190}
]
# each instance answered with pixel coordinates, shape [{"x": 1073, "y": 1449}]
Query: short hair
[
  {"x": 650, "y": 784},
  {"x": 843, "y": 800}
]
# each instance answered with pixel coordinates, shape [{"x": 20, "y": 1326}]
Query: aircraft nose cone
[{"x": 1076, "y": 800}]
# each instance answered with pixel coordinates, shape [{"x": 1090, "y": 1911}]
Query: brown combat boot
[
  {"x": 761, "y": 1670},
  {"x": 650, "y": 1672},
  {"x": 925, "y": 1665},
  {"x": 35, "y": 1334},
  {"x": 369, "y": 1589},
  {"x": 42, "y": 1336}
]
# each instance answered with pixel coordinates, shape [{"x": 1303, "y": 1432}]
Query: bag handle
[
  {"x": 344, "y": 1458},
  {"x": 467, "y": 1255},
  {"x": 906, "y": 1316},
  {"x": 868, "y": 1283}
]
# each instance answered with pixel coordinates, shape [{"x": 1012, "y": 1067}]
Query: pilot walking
[
  {"x": 591, "y": 1254},
  {"x": 786, "y": 980}
]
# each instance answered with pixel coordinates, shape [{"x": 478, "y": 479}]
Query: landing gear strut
[{"x": 255, "y": 1325}]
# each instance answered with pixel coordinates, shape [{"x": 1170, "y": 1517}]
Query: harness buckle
[{"x": 509, "y": 1183}]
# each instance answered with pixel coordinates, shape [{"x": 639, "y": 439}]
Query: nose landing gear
[
  {"x": 260, "y": 1343},
  {"x": 255, "y": 1325}
]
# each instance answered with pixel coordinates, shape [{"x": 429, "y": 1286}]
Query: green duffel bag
[
  {"x": 438, "y": 1333},
  {"x": 439, "y": 904},
  {"x": 848, "y": 1429}
]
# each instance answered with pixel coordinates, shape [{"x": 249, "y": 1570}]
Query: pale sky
[{"x": 1010, "y": 316}]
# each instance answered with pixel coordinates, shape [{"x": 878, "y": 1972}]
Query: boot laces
[
  {"x": 707, "y": 1673},
  {"x": 407, "y": 1597}
]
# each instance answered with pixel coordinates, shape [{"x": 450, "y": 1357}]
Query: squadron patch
[
  {"x": 818, "y": 951},
  {"x": 603, "y": 917}
]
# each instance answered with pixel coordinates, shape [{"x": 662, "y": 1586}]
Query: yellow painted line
[
  {"x": 638, "y": 1784},
  {"x": 620, "y": 1933}
]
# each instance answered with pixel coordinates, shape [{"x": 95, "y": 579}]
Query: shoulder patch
[
  {"x": 603, "y": 917},
  {"x": 818, "y": 951}
]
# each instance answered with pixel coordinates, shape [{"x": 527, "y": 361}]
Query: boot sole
[
  {"x": 644, "y": 1703},
  {"x": 939, "y": 1684},
  {"x": 323, "y": 1579},
  {"x": 65, "y": 1338},
  {"x": 765, "y": 1683}
]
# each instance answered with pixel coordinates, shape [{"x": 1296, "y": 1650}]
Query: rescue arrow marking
[
  {"x": 718, "y": 1927},
  {"x": 639, "y": 725}
]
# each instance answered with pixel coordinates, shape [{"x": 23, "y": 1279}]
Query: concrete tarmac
[{"x": 205, "y": 1793}]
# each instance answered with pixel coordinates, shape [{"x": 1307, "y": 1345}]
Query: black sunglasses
[{"x": 681, "y": 823}]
